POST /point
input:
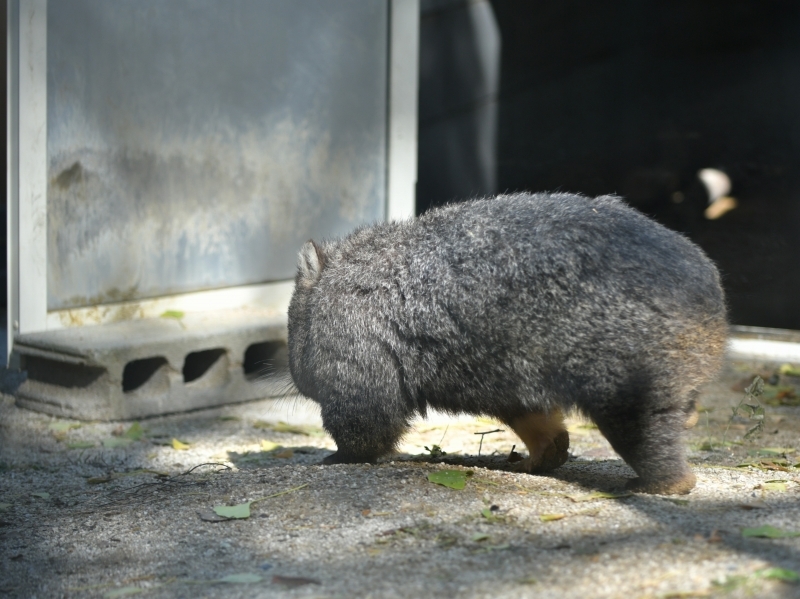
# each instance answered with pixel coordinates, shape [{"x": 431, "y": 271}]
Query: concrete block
[{"x": 139, "y": 368}]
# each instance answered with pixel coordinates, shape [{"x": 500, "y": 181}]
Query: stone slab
[{"x": 149, "y": 367}]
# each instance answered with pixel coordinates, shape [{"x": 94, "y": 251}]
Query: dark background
[{"x": 633, "y": 98}]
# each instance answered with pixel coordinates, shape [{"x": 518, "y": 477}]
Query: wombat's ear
[{"x": 310, "y": 263}]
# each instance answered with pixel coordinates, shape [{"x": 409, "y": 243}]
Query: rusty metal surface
[{"x": 195, "y": 145}]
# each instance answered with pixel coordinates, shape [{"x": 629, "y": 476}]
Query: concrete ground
[{"x": 121, "y": 509}]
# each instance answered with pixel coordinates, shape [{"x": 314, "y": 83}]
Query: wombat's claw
[
  {"x": 663, "y": 487},
  {"x": 555, "y": 454}
]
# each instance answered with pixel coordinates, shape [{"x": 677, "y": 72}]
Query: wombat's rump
[{"x": 518, "y": 307}]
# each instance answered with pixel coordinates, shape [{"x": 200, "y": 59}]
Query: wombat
[{"x": 520, "y": 307}]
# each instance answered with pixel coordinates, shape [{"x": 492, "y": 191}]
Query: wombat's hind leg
[
  {"x": 362, "y": 435},
  {"x": 545, "y": 437},
  {"x": 692, "y": 415},
  {"x": 651, "y": 442}
]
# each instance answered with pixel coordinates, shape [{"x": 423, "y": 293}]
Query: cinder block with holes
[{"x": 147, "y": 367}]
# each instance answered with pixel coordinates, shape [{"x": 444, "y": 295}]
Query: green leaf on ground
[
  {"x": 295, "y": 429},
  {"x": 598, "y": 495},
  {"x": 229, "y": 419},
  {"x": 551, "y": 517},
  {"x": 241, "y": 578},
  {"x": 41, "y": 495},
  {"x": 774, "y": 485},
  {"x": 134, "y": 432},
  {"x": 114, "y": 442},
  {"x": 491, "y": 515},
  {"x": 122, "y": 592},
  {"x": 4, "y": 506},
  {"x": 778, "y": 574},
  {"x": 80, "y": 445},
  {"x": 768, "y": 532},
  {"x": 179, "y": 445},
  {"x": 454, "y": 479},
  {"x": 239, "y": 511},
  {"x": 176, "y": 314},
  {"x": 270, "y": 446},
  {"x": 789, "y": 370},
  {"x": 479, "y": 536},
  {"x": 242, "y": 510}
]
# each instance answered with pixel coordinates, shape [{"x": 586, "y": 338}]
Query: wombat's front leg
[
  {"x": 545, "y": 437},
  {"x": 362, "y": 433},
  {"x": 651, "y": 442}
]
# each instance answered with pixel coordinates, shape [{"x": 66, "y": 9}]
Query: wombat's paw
[
  {"x": 554, "y": 454},
  {"x": 691, "y": 419},
  {"x": 342, "y": 458},
  {"x": 663, "y": 487}
]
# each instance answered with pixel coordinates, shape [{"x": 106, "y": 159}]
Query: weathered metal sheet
[{"x": 194, "y": 144}]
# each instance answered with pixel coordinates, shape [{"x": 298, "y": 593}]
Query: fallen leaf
[
  {"x": 283, "y": 427},
  {"x": 134, "y": 432},
  {"x": 269, "y": 446},
  {"x": 778, "y": 574},
  {"x": 41, "y": 495},
  {"x": 176, "y": 314},
  {"x": 491, "y": 515},
  {"x": 286, "y": 453},
  {"x": 773, "y": 485},
  {"x": 789, "y": 370},
  {"x": 242, "y": 510},
  {"x": 241, "y": 578},
  {"x": 239, "y": 511},
  {"x": 179, "y": 445},
  {"x": 122, "y": 592},
  {"x": 293, "y": 581},
  {"x": 229, "y": 419},
  {"x": 768, "y": 532},
  {"x": 4, "y": 506},
  {"x": 80, "y": 445},
  {"x": 598, "y": 495},
  {"x": 551, "y": 517},
  {"x": 454, "y": 479},
  {"x": 479, "y": 536}
]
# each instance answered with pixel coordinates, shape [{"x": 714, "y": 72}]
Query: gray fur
[{"x": 502, "y": 306}]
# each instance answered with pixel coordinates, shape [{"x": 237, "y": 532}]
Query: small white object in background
[{"x": 718, "y": 185}]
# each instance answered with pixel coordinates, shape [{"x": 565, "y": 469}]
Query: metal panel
[
  {"x": 32, "y": 174},
  {"x": 194, "y": 144},
  {"x": 403, "y": 88}
]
